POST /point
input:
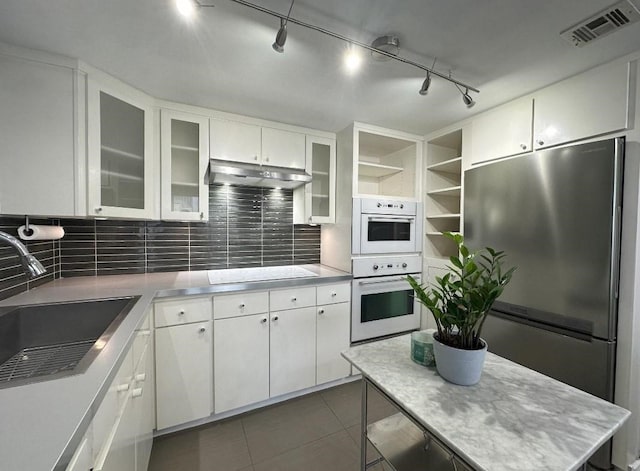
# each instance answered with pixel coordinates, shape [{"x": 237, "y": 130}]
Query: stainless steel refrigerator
[{"x": 556, "y": 214}]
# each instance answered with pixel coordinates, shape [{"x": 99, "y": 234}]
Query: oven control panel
[
  {"x": 391, "y": 207},
  {"x": 381, "y": 265}
]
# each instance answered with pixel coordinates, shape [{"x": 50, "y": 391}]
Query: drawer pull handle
[
  {"x": 137, "y": 392},
  {"x": 294, "y": 299},
  {"x": 201, "y": 329},
  {"x": 242, "y": 306},
  {"x": 321, "y": 311},
  {"x": 141, "y": 376},
  {"x": 263, "y": 320},
  {"x": 540, "y": 142},
  {"x": 334, "y": 294},
  {"x": 181, "y": 313},
  {"x": 122, "y": 387},
  {"x": 274, "y": 318}
]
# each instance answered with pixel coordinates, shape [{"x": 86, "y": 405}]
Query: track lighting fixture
[
  {"x": 281, "y": 37},
  {"x": 426, "y": 84}
]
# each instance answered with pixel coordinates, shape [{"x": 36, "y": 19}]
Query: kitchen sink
[{"x": 41, "y": 342}]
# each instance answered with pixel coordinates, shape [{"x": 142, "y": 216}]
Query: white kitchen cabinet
[
  {"x": 282, "y": 148},
  {"x": 143, "y": 396},
  {"x": 181, "y": 311},
  {"x": 43, "y": 169},
  {"x": 184, "y": 154},
  {"x": 333, "y": 324},
  {"x": 292, "y": 350},
  {"x": 385, "y": 162},
  {"x": 241, "y": 357},
  {"x": 315, "y": 202},
  {"x": 81, "y": 460},
  {"x": 504, "y": 131},
  {"x": 251, "y": 143},
  {"x": 184, "y": 373},
  {"x": 235, "y": 141},
  {"x": 590, "y": 104},
  {"x": 120, "y": 151},
  {"x": 121, "y": 444},
  {"x": 292, "y": 298}
]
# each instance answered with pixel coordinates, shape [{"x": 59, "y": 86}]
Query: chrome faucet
[{"x": 30, "y": 264}]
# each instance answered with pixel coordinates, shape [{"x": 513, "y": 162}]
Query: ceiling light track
[{"x": 284, "y": 19}]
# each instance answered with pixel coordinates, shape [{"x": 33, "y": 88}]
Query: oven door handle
[
  {"x": 390, "y": 219},
  {"x": 385, "y": 280}
]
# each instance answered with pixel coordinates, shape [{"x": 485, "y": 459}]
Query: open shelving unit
[{"x": 443, "y": 202}]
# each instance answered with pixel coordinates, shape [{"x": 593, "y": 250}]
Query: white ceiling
[{"x": 224, "y": 60}]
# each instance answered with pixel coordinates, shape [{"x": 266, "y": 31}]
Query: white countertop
[
  {"x": 42, "y": 423},
  {"x": 513, "y": 419}
]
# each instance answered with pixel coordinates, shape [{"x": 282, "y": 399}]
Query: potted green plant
[{"x": 460, "y": 301}]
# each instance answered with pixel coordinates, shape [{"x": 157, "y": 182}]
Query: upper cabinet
[
  {"x": 504, "y": 131},
  {"x": 386, "y": 163},
  {"x": 590, "y": 104},
  {"x": 120, "y": 152},
  {"x": 184, "y": 152},
  {"x": 314, "y": 203},
  {"x": 42, "y": 135},
  {"x": 250, "y": 143}
]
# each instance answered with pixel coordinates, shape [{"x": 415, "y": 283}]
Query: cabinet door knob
[
  {"x": 98, "y": 209},
  {"x": 181, "y": 313},
  {"x": 523, "y": 146},
  {"x": 267, "y": 159},
  {"x": 274, "y": 318},
  {"x": 334, "y": 294},
  {"x": 263, "y": 320},
  {"x": 137, "y": 392},
  {"x": 255, "y": 157},
  {"x": 201, "y": 329},
  {"x": 242, "y": 306},
  {"x": 321, "y": 311},
  {"x": 540, "y": 142},
  {"x": 294, "y": 299},
  {"x": 122, "y": 387},
  {"x": 141, "y": 376},
  {"x": 201, "y": 215}
]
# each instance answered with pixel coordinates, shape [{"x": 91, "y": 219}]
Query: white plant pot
[{"x": 463, "y": 367}]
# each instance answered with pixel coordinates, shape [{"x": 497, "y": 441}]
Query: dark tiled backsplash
[{"x": 247, "y": 227}]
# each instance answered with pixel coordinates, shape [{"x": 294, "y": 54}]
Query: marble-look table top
[{"x": 513, "y": 419}]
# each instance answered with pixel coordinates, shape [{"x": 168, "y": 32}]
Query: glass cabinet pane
[
  {"x": 320, "y": 191},
  {"x": 185, "y": 155},
  {"x": 121, "y": 153}
]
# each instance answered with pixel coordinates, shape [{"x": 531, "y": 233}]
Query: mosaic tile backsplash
[{"x": 247, "y": 227}]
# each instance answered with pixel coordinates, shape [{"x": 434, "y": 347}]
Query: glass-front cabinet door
[
  {"x": 120, "y": 133},
  {"x": 320, "y": 193},
  {"x": 184, "y": 157}
]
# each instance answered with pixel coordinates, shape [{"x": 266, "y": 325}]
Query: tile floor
[{"x": 320, "y": 431}]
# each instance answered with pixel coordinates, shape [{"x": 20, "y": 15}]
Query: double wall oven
[{"x": 386, "y": 246}]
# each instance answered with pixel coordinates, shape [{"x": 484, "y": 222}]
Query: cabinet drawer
[
  {"x": 292, "y": 298},
  {"x": 242, "y": 304},
  {"x": 331, "y": 294},
  {"x": 182, "y": 311}
]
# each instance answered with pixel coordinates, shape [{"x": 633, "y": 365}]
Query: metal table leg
[{"x": 363, "y": 427}]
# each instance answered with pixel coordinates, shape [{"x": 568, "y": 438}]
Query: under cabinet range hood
[{"x": 237, "y": 173}]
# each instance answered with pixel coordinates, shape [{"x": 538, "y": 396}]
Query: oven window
[
  {"x": 374, "y": 307},
  {"x": 379, "y": 231}
]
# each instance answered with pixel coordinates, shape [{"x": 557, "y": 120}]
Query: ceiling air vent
[{"x": 605, "y": 22}]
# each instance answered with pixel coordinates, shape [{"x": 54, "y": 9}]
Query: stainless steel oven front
[
  {"x": 386, "y": 226},
  {"x": 382, "y": 300}
]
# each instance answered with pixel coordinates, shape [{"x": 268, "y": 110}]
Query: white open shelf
[
  {"x": 447, "y": 166},
  {"x": 187, "y": 148},
  {"x": 450, "y": 191},
  {"x": 444, "y": 216},
  {"x": 121, "y": 153},
  {"x": 189, "y": 184},
  {"x": 369, "y": 169}
]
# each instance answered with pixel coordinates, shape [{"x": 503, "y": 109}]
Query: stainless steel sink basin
[{"x": 41, "y": 342}]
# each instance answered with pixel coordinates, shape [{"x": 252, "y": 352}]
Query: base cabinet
[
  {"x": 333, "y": 323},
  {"x": 292, "y": 352},
  {"x": 184, "y": 373},
  {"x": 241, "y": 356}
]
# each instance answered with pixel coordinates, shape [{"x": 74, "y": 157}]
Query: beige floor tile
[
  {"x": 335, "y": 452},
  {"x": 278, "y": 429},
  {"x": 217, "y": 447},
  {"x": 344, "y": 401}
]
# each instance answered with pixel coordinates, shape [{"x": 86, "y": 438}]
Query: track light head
[
  {"x": 281, "y": 38},
  {"x": 426, "y": 84},
  {"x": 466, "y": 98}
]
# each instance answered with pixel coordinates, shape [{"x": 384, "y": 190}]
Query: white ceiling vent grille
[{"x": 601, "y": 24}]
